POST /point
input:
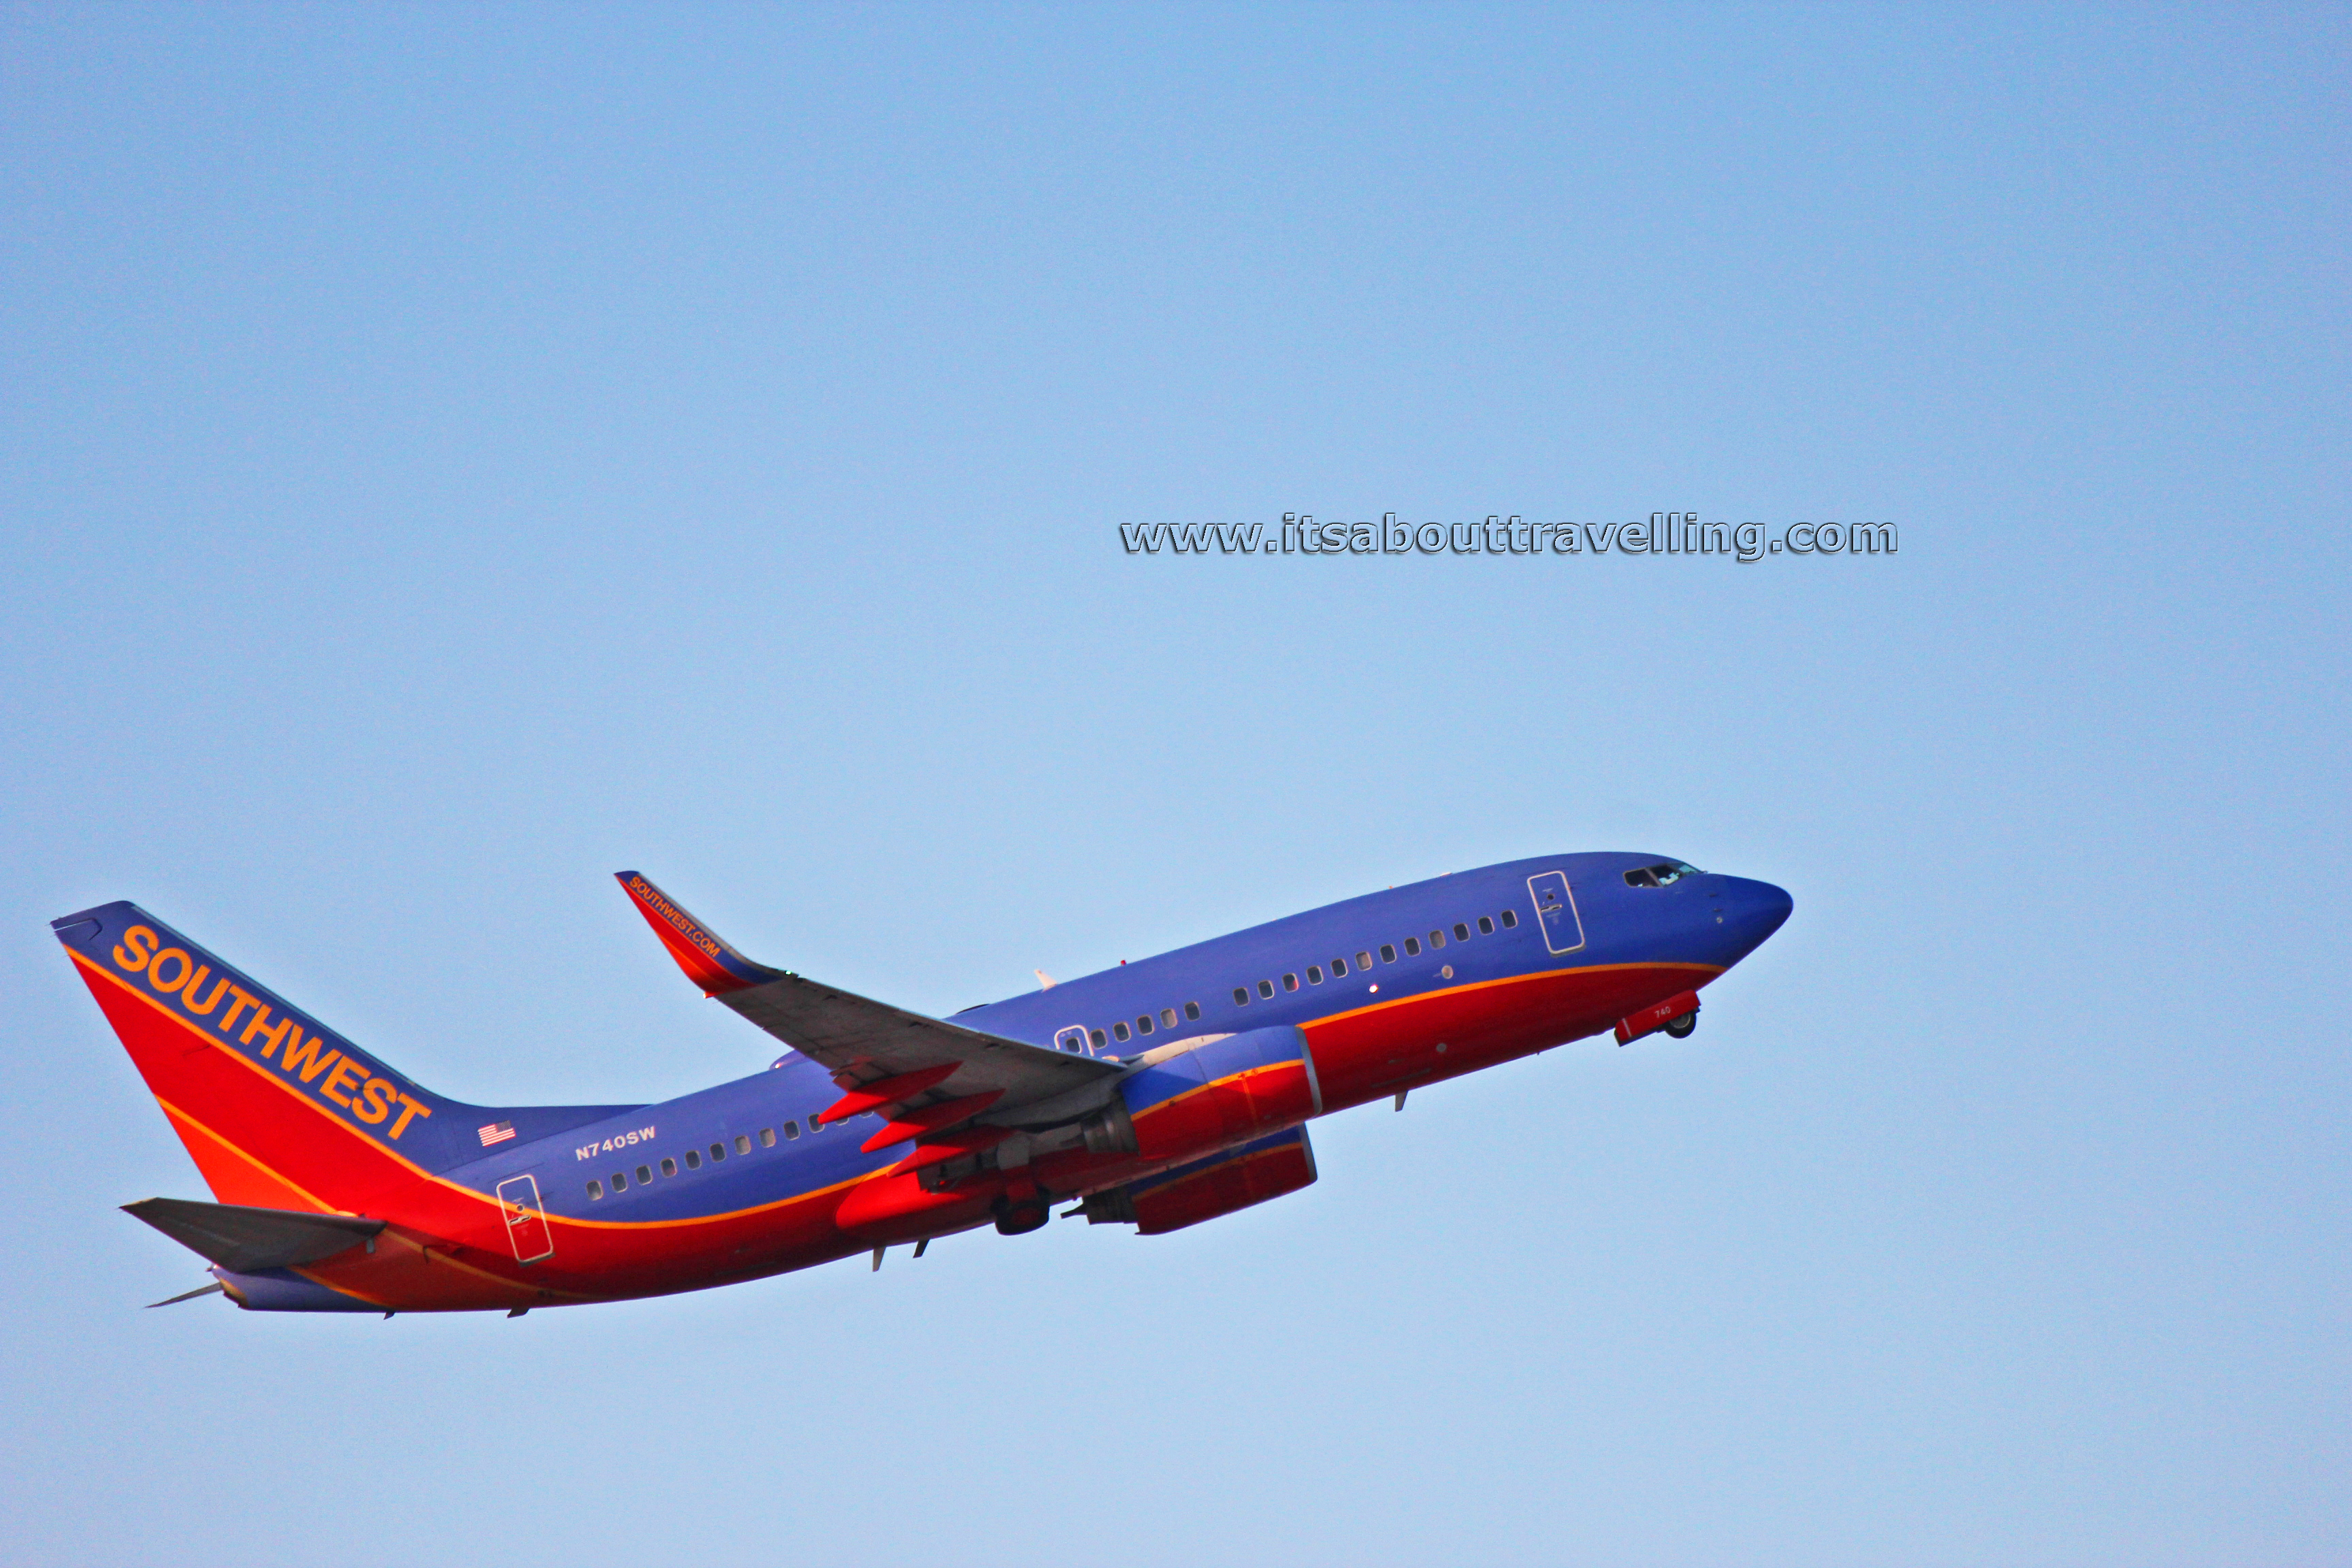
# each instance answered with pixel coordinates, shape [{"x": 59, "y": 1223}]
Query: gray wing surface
[
  {"x": 861, "y": 1040},
  {"x": 858, "y": 1040}
]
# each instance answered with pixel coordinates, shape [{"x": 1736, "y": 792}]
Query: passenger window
[
  {"x": 717, "y": 1152},
  {"x": 1192, "y": 1011},
  {"x": 742, "y": 1143},
  {"x": 1485, "y": 926},
  {"x": 1118, "y": 1032},
  {"x": 1412, "y": 947},
  {"x": 1143, "y": 1024},
  {"x": 767, "y": 1137},
  {"x": 1313, "y": 974},
  {"x": 1168, "y": 1017},
  {"x": 645, "y": 1176},
  {"x": 1461, "y": 932},
  {"x": 620, "y": 1183},
  {"x": 1265, "y": 987},
  {"x": 1388, "y": 953},
  {"x": 1339, "y": 967},
  {"x": 1509, "y": 919},
  {"x": 792, "y": 1131},
  {"x": 1241, "y": 995},
  {"x": 1290, "y": 982},
  {"x": 670, "y": 1166},
  {"x": 1099, "y": 1038},
  {"x": 595, "y": 1189},
  {"x": 1436, "y": 939},
  {"x": 1364, "y": 961},
  {"x": 693, "y": 1161}
]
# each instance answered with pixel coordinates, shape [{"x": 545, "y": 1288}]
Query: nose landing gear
[{"x": 1677, "y": 1016}]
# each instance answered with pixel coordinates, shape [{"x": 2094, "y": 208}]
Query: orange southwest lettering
[
  {"x": 346, "y": 1068},
  {"x": 260, "y": 1025},
  {"x": 240, "y": 1005},
  {"x": 375, "y": 1101},
  {"x": 408, "y": 1108},
  {"x": 303, "y": 1053},
  {"x": 155, "y": 970},
  {"x": 188, "y": 997},
  {"x": 142, "y": 943}
]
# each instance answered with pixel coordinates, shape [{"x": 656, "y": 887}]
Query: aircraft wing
[{"x": 862, "y": 1041}]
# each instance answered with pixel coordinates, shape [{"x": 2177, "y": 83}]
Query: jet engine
[
  {"x": 1227, "y": 1181},
  {"x": 1221, "y": 1093}
]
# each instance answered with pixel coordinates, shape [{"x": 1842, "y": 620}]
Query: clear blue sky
[{"x": 448, "y": 455}]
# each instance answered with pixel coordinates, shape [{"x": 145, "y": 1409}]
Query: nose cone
[{"x": 1751, "y": 912}]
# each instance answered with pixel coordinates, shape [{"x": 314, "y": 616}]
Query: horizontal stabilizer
[
  {"x": 245, "y": 1239},
  {"x": 212, "y": 1289}
]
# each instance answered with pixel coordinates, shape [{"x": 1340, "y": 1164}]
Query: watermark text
[{"x": 1660, "y": 533}]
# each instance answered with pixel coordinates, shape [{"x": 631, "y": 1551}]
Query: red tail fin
[{"x": 279, "y": 1111}]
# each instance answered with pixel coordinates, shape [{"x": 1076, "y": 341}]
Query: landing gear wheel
[
  {"x": 1021, "y": 1218},
  {"x": 1680, "y": 1028}
]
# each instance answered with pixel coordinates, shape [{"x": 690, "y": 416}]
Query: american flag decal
[{"x": 497, "y": 1132}]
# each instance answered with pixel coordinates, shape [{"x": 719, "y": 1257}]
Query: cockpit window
[{"x": 1659, "y": 875}]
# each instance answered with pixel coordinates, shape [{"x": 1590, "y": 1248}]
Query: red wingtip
[{"x": 707, "y": 961}]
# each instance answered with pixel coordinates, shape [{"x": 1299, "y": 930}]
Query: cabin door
[
  {"x": 527, "y": 1229},
  {"x": 1563, "y": 928}
]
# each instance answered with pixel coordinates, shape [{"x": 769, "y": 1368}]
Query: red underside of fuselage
[
  {"x": 1379, "y": 1049},
  {"x": 445, "y": 1248}
]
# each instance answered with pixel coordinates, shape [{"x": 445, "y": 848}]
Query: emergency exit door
[
  {"x": 527, "y": 1230},
  {"x": 1563, "y": 928}
]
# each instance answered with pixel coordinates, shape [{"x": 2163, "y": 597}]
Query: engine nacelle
[
  {"x": 1229, "y": 1180},
  {"x": 1226, "y": 1092}
]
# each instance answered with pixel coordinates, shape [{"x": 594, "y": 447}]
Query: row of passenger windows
[
  {"x": 767, "y": 1136},
  {"x": 1364, "y": 961},
  {"x": 1077, "y": 1040}
]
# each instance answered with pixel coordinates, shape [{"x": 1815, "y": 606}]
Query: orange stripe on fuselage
[
  {"x": 410, "y": 1273},
  {"x": 1364, "y": 1053}
]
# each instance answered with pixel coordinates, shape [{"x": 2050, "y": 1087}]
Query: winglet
[{"x": 707, "y": 961}]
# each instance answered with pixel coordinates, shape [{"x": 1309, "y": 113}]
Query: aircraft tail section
[{"x": 278, "y": 1110}]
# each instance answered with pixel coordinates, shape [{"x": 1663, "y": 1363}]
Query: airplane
[{"x": 1158, "y": 1094}]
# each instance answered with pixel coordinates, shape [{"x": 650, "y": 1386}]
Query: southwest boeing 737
[{"x": 1158, "y": 1094}]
